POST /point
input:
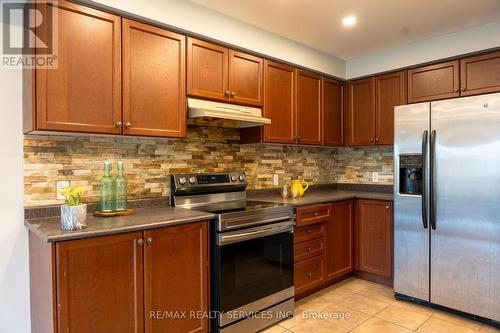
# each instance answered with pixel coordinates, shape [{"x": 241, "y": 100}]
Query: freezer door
[
  {"x": 411, "y": 238},
  {"x": 465, "y": 245}
]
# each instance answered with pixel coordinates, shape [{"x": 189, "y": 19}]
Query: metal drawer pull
[
  {"x": 309, "y": 274},
  {"x": 308, "y": 231},
  {"x": 140, "y": 242},
  {"x": 149, "y": 241},
  {"x": 316, "y": 214},
  {"x": 257, "y": 232},
  {"x": 308, "y": 249}
]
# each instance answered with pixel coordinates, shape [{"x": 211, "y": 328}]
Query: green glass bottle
[
  {"x": 121, "y": 189},
  {"x": 107, "y": 190}
]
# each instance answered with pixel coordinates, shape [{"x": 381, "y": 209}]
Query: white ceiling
[{"x": 381, "y": 24}]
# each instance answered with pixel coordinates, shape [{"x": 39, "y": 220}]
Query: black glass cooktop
[{"x": 236, "y": 206}]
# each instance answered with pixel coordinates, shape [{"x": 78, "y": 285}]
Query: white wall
[
  {"x": 471, "y": 40},
  {"x": 14, "y": 280},
  {"x": 204, "y": 21}
]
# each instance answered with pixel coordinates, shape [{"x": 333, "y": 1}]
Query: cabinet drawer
[
  {"x": 309, "y": 232},
  {"x": 309, "y": 249},
  {"x": 313, "y": 214},
  {"x": 309, "y": 273}
]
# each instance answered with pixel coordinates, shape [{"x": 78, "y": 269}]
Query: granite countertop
[
  {"x": 326, "y": 193},
  {"x": 48, "y": 228}
]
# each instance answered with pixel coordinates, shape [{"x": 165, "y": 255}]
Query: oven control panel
[{"x": 194, "y": 181}]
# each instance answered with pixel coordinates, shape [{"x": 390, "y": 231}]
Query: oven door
[{"x": 255, "y": 269}]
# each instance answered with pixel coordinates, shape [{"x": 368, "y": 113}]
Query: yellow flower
[{"x": 72, "y": 197}]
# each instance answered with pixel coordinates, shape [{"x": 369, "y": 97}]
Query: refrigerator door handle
[
  {"x": 432, "y": 181},
  {"x": 425, "y": 136}
]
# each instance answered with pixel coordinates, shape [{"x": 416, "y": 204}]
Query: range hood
[{"x": 208, "y": 113}]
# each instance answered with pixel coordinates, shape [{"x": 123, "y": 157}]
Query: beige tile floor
[{"x": 360, "y": 306}]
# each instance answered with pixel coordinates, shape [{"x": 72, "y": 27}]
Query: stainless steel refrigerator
[{"x": 447, "y": 203}]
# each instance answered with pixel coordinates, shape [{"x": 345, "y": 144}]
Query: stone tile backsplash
[{"x": 149, "y": 161}]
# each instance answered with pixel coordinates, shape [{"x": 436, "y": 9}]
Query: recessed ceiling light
[{"x": 349, "y": 21}]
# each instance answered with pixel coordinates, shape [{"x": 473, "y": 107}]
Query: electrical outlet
[
  {"x": 276, "y": 180},
  {"x": 59, "y": 186},
  {"x": 375, "y": 177}
]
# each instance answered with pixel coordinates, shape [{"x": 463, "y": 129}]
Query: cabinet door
[
  {"x": 362, "y": 112},
  {"x": 480, "y": 74},
  {"x": 84, "y": 93},
  {"x": 207, "y": 70},
  {"x": 390, "y": 91},
  {"x": 374, "y": 237},
  {"x": 246, "y": 74},
  {"x": 433, "y": 82},
  {"x": 333, "y": 112},
  {"x": 339, "y": 240},
  {"x": 100, "y": 284},
  {"x": 308, "y": 108},
  {"x": 176, "y": 277},
  {"x": 154, "y": 96},
  {"x": 279, "y": 102}
]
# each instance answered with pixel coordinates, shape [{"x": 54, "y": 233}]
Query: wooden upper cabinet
[
  {"x": 207, "y": 70},
  {"x": 361, "y": 112},
  {"x": 154, "y": 97},
  {"x": 374, "y": 237},
  {"x": 218, "y": 73},
  {"x": 480, "y": 74},
  {"x": 279, "y": 81},
  {"x": 433, "y": 82},
  {"x": 333, "y": 112},
  {"x": 246, "y": 74},
  {"x": 99, "y": 284},
  {"x": 84, "y": 93},
  {"x": 339, "y": 240},
  {"x": 390, "y": 91},
  {"x": 308, "y": 108},
  {"x": 176, "y": 277}
]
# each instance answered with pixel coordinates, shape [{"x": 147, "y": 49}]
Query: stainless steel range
[{"x": 251, "y": 251}]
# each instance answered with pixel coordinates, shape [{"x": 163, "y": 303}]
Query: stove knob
[
  {"x": 234, "y": 178},
  {"x": 242, "y": 178},
  {"x": 182, "y": 180},
  {"x": 192, "y": 180}
]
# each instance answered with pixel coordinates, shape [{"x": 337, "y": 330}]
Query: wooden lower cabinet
[
  {"x": 99, "y": 284},
  {"x": 175, "y": 274},
  {"x": 374, "y": 237},
  {"x": 333, "y": 241},
  {"x": 121, "y": 283},
  {"x": 339, "y": 240}
]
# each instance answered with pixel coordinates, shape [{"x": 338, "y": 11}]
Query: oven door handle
[{"x": 242, "y": 235}]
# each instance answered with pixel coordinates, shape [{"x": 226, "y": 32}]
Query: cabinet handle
[
  {"x": 371, "y": 139},
  {"x": 128, "y": 125},
  {"x": 308, "y": 231},
  {"x": 118, "y": 124},
  {"x": 316, "y": 214},
  {"x": 227, "y": 93},
  {"x": 308, "y": 249},
  {"x": 140, "y": 242},
  {"x": 462, "y": 89},
  {"x": 309, "y": 274},
  {"x": 149, "y": 241},
  {"x": 456, "y": 90},
  {"x": 376, "y": 139},
  {"x": 232, "y": 94}
]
